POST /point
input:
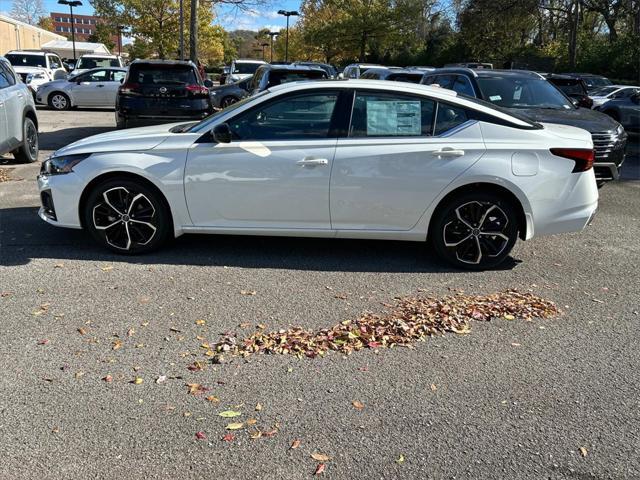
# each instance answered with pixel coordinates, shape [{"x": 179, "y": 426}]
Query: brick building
[{"x": 85, "y": 26}]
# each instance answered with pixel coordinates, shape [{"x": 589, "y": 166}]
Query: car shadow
[
  {"x": 62, "y": 138},
  {"x": 25, "y": 237}
]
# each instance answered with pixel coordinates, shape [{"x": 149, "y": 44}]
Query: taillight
[
  {"x": 583, "y": 157},
  {"x": 130, "y": 89},
  {"x": 197, "y": 89}
]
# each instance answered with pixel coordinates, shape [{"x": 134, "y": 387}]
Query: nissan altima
[{"x": 360, "y": 159}]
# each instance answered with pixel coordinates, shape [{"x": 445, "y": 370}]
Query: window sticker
[
  {"x": 495, "y": 98},
  {"x": 401, "y": 117}
]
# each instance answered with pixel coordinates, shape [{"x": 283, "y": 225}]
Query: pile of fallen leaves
[
  {"x": 410, "y": 319},
  {"x": 4, "y": 175}
]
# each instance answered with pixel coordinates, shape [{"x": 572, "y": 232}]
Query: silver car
[{"x": 94, "y": 88}]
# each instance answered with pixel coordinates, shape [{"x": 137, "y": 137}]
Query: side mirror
[
  {"x": 221, "y": 133},
  {"x": 208, "y": 83}
]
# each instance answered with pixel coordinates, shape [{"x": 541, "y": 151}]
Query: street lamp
[
  {"x": 287, "y": 13},
  {"x": 120, "y": 29},
  {"x": 263, "y": 45},
  {"x": 74, "y": 3},
  {"x": 272, "y": 34}
]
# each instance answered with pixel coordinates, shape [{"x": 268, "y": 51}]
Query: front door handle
[
  {"x": 448, "y": 152},
  {"x": 99, "y": 86},
  {"x": 312, "y": 162}
]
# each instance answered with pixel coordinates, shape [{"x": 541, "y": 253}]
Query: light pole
[
  {"x": 263, "y": 45},
  {"x": 271, "y": 34},
  {"x": 181, "y": 30},
  {"x": 74, "y": 3},
  {"x": 287, "y": 13},
  {"x": 120, "y": 29}
]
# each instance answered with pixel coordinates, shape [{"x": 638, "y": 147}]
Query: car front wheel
[
  {"x": 475, "y": 231},
  {"x": 127, "y": 217},
  {"x": 59, "y": 101}
]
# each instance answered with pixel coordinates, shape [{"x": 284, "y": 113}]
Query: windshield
[
  {"x": 595, "y": 82},
  {"x": 603, "y": 91},
  {"x": 570, "y": 87},
  {"x": 514, "y": 92},
  {"x": 205, "y": 124},
  {"x": 88, "y": 63},
  {"x": 245, "y": 68},
  {"x": 19, "y": 60}
]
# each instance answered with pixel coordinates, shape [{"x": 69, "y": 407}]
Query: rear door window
[
  {"x": 462, "y": 85},
  {"x": 391, "y": 115},
  {"x": 449, "y": 117}
]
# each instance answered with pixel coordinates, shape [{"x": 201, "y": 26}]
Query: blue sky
[{"x": 230, "y": 18}]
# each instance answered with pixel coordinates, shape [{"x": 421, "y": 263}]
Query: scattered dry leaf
[
  {"x": 108, "y": 378},
  {"x": 248, "y": 292},
  {"x": 357, "y": 404},
  {"x": 400, "y": 459},
  {"x": 295, "y": 444},
  {"x": 201, "y": 436},
  {"x": 320, "y": 457},
  {"x": 200, "y": 322},
  {"x": 320, "y": 468},
  {"x": 229, "y": 414},
  {"x": 107, "y": 268},
  {"x": 583, "y": 451},
  {"x": 228, "y": 437},
  {"x": 213, "y": 399},
  {"x": 117, "y": 344},
  {"x": 258, "y": 407},
  {"x": 235, "y": 426},
  {"x": 138, "y": 380},
  {"x": 161, "y": 379}
]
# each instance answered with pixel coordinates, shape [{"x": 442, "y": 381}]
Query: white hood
[
  {"x": 30, "y": 69},
  {"x": 143, "y": 138}
]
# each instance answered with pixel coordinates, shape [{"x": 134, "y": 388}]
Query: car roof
[
  {"x": 101, "y": 55},
  {"x": 162, "y": 62},
  {"x": 402, "y": 87},
  {"x": 248, "y": 60},
  {"x": 293, "y": 68},
  {"x": 29, "y": 52}
]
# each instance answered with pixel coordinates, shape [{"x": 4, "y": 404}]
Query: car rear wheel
[
  {"x": 127, "y": 217},
  {"x": 59, "y": 101},
  {"x": 228, "y": 101},
  {"x": 28, "y": 151},
  {"x": 475, "y": 231}
]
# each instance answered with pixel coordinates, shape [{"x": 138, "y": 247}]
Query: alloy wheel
[
  {"x": 477, "y": 231},
  {"x": 31, "y": 135},
  {"x": 125, "y": 218},
  {"x": 59, "y": 102}
]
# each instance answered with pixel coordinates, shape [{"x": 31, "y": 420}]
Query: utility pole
[
  {"x": 287, "y": 13},
  {"x": 181, "y": 30},
  {"x": 272, "y": 34},
  {"x": 193, "y": 34},
  {"x": 71, "y": 4}
]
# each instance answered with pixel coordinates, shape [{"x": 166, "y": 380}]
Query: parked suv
[
  {"x": 356, "y": 69},
  {"x": 625, "y": 110},
  {"x": 18, "y": 121},
  {"x": 270, "y": 75},
  {"x": 530, "y": 94},
  {"x": 36, "y": 67},
  {"x": 241, "y": 69},
  {"x": 93, "y": 60},
  {"x": 162, "y": 91},
  {"x": 572, "y": 87},
  {"x": 593, "y": 82},
  {"x": 394, "y": 74},
  {"x": 228, "y": 94}
]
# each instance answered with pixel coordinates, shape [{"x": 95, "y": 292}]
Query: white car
[
  {"x": 360, "y": 159},
  {"x": 92, "y": 88},
  {"x": 611, "y": 92},
  {"x": 94, "y": 60},
  {"x": 241, "y": 69},
  {"x": 18, "y": 120},
  {"x": 36, "y": 67}
]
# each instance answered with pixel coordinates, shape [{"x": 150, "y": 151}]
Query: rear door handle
[
  {"x": 312, "y": 162},
  {"x": 99, "y": 86},
  {"x": 448, "y": 152}
]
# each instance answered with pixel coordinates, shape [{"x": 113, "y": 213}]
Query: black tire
[
  {"x": 228, "y": 101},
  {"x": 466, "y": 243},
  {"x": 130, "y": 226},
  {"x": 28, "y": 151},
  {"x": 59, "y": 101}
]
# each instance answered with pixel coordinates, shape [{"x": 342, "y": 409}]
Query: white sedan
[
  {"x": 612, "y": 92},
  {"x": 338, "y": 159},
  {"x": 92, "y": 88}
]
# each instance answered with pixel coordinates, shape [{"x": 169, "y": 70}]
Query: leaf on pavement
[
  {"x": 108, "y": 378},
  {"x": 117, "y": 344},
  {"x": 200, "y": 322},
  {"x": 196, "y": 366},
  {"x": 295, "y": 444},
  {"x": 213, "y": 399},
  {"x": 320, "y": 468},
  {"x": 320, "y": 457},
  {"x": 229, "y": 414},
  {"x": 357, "y": 404},
  {"x": 196, "y": 388},
  {"x": 44, "y": 341},
  {"x": 228, "y": 437},
  {"x": 583, "y": 451},
  {"x": 161, "y": 379},
  {"x": 400, "y": 459},
  {"x": 138, "y": 380},
  {"x": 201, "y": 436},
  {"x": 235, "y": 426},
  {"x": 107, "y": 268},
  {"x": 258, "y": 407},
  {"x": 248, "y": 292}
]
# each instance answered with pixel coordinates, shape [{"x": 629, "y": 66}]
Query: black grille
[
  {"x": 47, "y": 204},
  {"x": 604, "y": 143},
  {"x": 23, "y": 76}
]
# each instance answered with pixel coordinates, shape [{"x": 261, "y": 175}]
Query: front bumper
[
  {"x": 609, "y": 154},
  {"x": 58, "y": 198}
]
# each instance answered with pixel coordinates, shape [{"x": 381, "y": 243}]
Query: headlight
[
  {"x": 620, "y": 130},
  {"x": 61, "y": 165}
]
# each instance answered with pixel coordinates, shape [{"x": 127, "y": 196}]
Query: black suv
[
  {"x": 529, "y": 93},
  {"x": 162, "y": 91},
  {"x": 593, "y": 82},
  {"x": 270, "y": 75},
  {"x": 572, "y": 87}
]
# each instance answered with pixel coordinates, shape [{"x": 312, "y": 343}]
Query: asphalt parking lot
[{"x": 510, "y": 400}]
